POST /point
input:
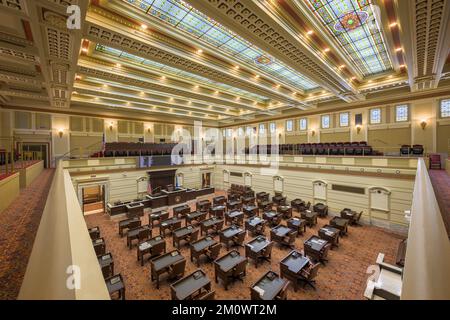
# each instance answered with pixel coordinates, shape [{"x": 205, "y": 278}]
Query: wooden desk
[
  {"x": 315, "y": 247},
  {"x": 129, "y": 224},
  {"x": 279, "y": 200},
  {"x": 249, "y": 200},
  {"x": 197, "y": 216},
  {"x": 99, "y": 246},
  {"x": 115, "y": 284},
  {"x": 158, "y": 216},
  {"x": 154, "y": 246},
  {"x": 255, "y": 225},
  {"x": 298, "y": 204},
  {"x": 219, "y": 200},
  {"x": 273, "y": 218},
  {"x": 181, "y": 211},
  {"x": 286, "y": 211},
  {"x": 279, "y": 232},
  {"x": 175, "y": 197},
  {"x": 133, "y": 234},
  {"x": 265, "y": 205},
  {"x": 182, "y": 234},
  {"x": 200, "y": 247},
  {"x": 135, "y": 209},
  {"x": 106, "y": 263},
  {"x": 158, "y": 200},
  {"x": 331, "y": 234},
  {"x": 217, "y": 211},
  {"x": 321, "y": 209},
  {"x": 116, "y": 208},
  {"x": 223, "y": 267},
  {"x": 234, "y": 205},
  {"x": 349, "y": 214},
  {"x": 161, "y": 264},
  {"x": 297, "y": 224},
  {"x": 226, "y": 235},
  {"x": 171, "y": 224},
  {"x": 292, "y": 265},
  {"x": 190, "y": 286},
  {"x": 203, "y": 205},
  {"x": 262, "y": 196},
  {"x": 310, "y": 217},
  {"x": 94, "y": 233},
  {"x": 250, "y": 210},
  {"x": 212, "y": 223},
  {"x": 341, "y": 224},
  {"x": 234, "y": 217},
  {"x": 254, "y": 249},
  {"x": 268, "y": 287}
]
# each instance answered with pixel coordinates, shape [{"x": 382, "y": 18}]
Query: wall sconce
[
  {"x": 111, "y": 126},
  {"x": 358, "y": 129},
  {"x": 60, "y": 133},
  {"x": 423, "y": 124},
  {"x": 148, "y": 130},
  {"x": 313, "y": 133}
]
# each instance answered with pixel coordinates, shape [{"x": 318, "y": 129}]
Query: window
[
  {"x": 303, "y": 124},
  {"x": 445, "y": 108},
  {"x": 375, "y": 115},
  {"x": 224, "y": 133},
  {"x": 401, "y": 113},
  {"x": 240, "y": 131},
  {"x": 325, "y": 122},
  {"x": 289, "y": 126},
  {"x": 229, "y": 132},
  {"x": 344, "y": 119},
  {"x": 273, "y": 127},
  {"x": 262, "y": 128},
  {"x": 249, "y": 131}
]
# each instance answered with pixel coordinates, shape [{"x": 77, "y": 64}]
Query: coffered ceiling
[{"x": 220, "y": 61}]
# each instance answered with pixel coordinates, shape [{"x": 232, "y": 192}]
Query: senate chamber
[{"x": 225, "y": 150}]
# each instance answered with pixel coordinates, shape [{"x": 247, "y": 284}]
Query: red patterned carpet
[
  {"x": 344, "y": 276},
  {"x": 18, "y": 226},
  {"x": 441, "y": 185}
]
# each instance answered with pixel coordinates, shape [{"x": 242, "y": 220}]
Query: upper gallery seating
[
  {"x": 416, "y": 150},
  {"x": 332, "y": 148},
  {"x": 130, "y": 149}
]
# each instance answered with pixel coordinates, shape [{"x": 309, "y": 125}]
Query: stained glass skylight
[
  {"x": 184, "y": 17},
  {"x": 180, "y": 73},
  {"x": 352, "y": 23}
]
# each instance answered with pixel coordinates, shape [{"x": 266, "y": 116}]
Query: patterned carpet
[
  {"x": 344, "y": 276},
  {"x": 441, "y": 185},
  {"x": 18, "y": 226}
]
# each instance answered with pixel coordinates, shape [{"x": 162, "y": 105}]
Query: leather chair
[
  {"x": 308, "y": 275},
  {"x": 239, "y": 238},
  {"x": 289, "y": 240},
  {"x": 239, "y": 271},
  {"x": 417, "y": 150},
  {"x": 282, "y": 295},
  {"x": 213, "y": 252},
  {"x": 177, "y": 269},
  {"x": 405, "y": 150}
]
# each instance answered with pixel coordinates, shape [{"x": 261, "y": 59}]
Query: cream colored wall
[
  {"x": 28, "y": 174},
  {"x": 299, "y": 184},
  {"x": 60, "y": 145},
  {"x": 9, "y": 189}
]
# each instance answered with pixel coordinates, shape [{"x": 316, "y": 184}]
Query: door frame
[{"x": 82, "y": 185}]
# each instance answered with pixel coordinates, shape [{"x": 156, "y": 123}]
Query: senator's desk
[
  {"x": 181, "y": 211},
  {"x": 182, "y": 234},
  {"x": 278, "y": 200},
  {"x": 298, "y": 204},
  {"x": 157, "y": 200},
  {"x": 200, "y": 247},
  {"x": 226, "y": 235},
  {"x": 249, "y": 200},
  {"x": 99, "y": 246},
  {"x": 129, "y": 224},
  {"x": 297, "y": 224},
  {"x": 203, "y": 205},
  {"x": 279, "y": 232},
  {"x": 197, "y": 216},
  {"x": 310, "y": 217},
  {"x": 235, "y": 217},
  {"x": 175, "y": 197},
  {"x": 255, "y": 225},
  {"x": 212, "y": 223},
  {"x": 234, "y": 205},
  {"x": 224, "y": 265},
  {"x": 315, "y": 248},
  {"x": 117, "y": 208},
  {"x": 341, "y": 224},
  {"x": 265, "y": 205},
  {"x": 255, "y": 247},
  {"x": 94, "y": 233},
  {"x": 154, "y": 246},
  {"x": 161, "y": 264},
  {"x": 217, "y": 211},
  {"x": 171, "y": 224},
  {"x": 133, "y": 234},
  {"x": 192, "y": 194},
  {"x": 135, "y": 209},
  {"x": 268, "y": 287},
  {"x": 292, "y": 265},
  {"x": 262, "y": 196},
  {"x": 286, "y": 211},
  {"x": 106, "y": 263},
  {"x": 219, "y": 200},
  {"x": 272, "y": 217},
  {"x": 158, "y": 216},
  {"x": 191, "y": 286},
  {"x": 350, "y": 215},
  {"x": 331, "y": 234},
  {"x": 115, "y": 284},
  {"x": 250, "y": 210}
]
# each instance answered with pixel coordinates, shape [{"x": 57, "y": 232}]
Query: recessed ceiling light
[
  {"x": 370, "y": 81},
  {"x": 216, "y": 92},
  {"x": 402, "y": 66},
  {"x": 310, "y": 32},
  {"x": 398, "y": 49},
  {"x": 393, "y": 24},
  {"x": 342, "y": 66},
  {"x": 294, "y": 93},
  {"x": 326, "y": 50},
  {"x": 236, "y": 67},
  {"x": 199, "y": 51},
  {"x": 163, "y": 77},
  {"x": 105, "y": 86},
  {"x": 143, "y": 26},
  {"x": 257, "y": 76},
  {"x": 278, "y": 86},
  {"x": 353, "y": 78},
  {"x": 323, "y": 92},
  {"x": 77, "y": 77},
  {"x": 118, "y": 65},
  {"x": 238, "y": 98}
]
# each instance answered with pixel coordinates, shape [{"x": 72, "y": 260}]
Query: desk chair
[
  {"x": 206, "y": 296},
  {"x": 308, "y": 275},
  {"x": 282, "y": 295},
  {"x": 177, "y": 269},
  {"x": 289, "y": 240},
  {"x": 213, "y": 252}
]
